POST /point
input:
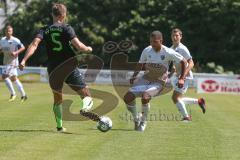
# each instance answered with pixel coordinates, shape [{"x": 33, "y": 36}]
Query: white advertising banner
[
  {"x": 218, "y": 85},
  {"x": 208, "y": 83}
]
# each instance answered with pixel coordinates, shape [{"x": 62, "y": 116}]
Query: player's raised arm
[
  {"x": 30, "y": 51},
  {"x": 80, "y": 46}
]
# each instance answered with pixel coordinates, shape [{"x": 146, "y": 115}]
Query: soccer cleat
[
  {"x": 12, "y": 98},
  {"x": 90, "y": 115},
  {"x": 187, "y": 119},
  {"x": 136, "y": 123},
  {"x": 202, "y": 105},
  {"x": 61, "y": 130},
  {"x": 142, "y": 126},
  {"x": 23, "y": 98}
]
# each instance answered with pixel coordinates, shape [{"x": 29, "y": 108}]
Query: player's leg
[
  {"x": 200, "y": 102},
  {"x": 10, "y": 87},
  {"x": 57, "y": 110},
  {"x": 189, "y": 101},
  {"x": 85, "y": 95},
  {"x": 130, "y": 101},
  {"x": 153, "y": 89},
  {"x": 146, "y": 97},
  {"x": 87, "y": 104},
  {"x": 77, "y": 83},
  {"x": 19, "y": 86},
  {"x": 177, "y": 99},
  {"x": 135, "y": 91},
  {"x": 56, "y": 84}
]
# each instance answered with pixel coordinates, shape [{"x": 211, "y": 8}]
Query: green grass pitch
[{"x": 27, "y": 130}]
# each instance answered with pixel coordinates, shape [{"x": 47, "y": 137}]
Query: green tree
[{"x": 210, "y": 27}]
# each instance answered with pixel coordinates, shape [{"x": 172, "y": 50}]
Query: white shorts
[
  {"x": 142, "y": 85},
  {"x": 10, "y": 70},
  {"x": 182, "y": 90}
]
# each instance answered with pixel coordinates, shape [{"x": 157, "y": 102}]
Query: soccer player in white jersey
[
  {"x": 177, "y": 96},
  {"x": 11, "y": 47},
  {"x": 155, "y": 60}
]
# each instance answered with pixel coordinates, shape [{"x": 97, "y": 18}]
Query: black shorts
[
  {"x": 76, "y": 79},
  {"x": 65, "y": 73}
]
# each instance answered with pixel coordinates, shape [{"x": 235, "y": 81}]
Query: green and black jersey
[{"x": 57, "y": 39}]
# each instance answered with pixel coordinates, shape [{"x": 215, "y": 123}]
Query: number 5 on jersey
[{"x": 58, "y": 45}]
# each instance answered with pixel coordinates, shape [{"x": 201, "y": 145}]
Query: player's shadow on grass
[{"x": 31, "y": 130}]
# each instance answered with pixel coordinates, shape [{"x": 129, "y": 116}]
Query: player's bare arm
[
  {"x": 190, "y": 65},
  {"x": 30, "y": 51},
  {"x": 16, "y": 53},
  {"x": 172, "y": 71},
  {"x": 80, "y": 46},
  {"x": 138, "y": 68},
  {"x": 183, "y": 74}
]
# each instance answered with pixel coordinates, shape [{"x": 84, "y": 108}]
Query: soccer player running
[
  {"x": 11, "y": 47},
  {"x": 58, "y": 38},
  {"x": 177, "y": 96},
  {"x": 155, "y": 60}
]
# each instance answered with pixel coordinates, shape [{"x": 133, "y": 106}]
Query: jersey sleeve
[
  {"x": 186, "y": 54},
  {"x": 40, "y": 34},
  {"x": 174, "y": 56},
  {"x": 70, "y": 33},
  {"x": 19, "y": 44},
  {"x": 143, "y": 58}
]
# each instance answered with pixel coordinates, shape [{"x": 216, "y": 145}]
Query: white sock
[
  {"x": 10, "y": 86},
  {"x": 145, "y": 110},
  {"x": 133, "y": 109},
  {"x": 87, "y": 103},
  {"x": 20, "y": 87},
  {"x": 181, "y": 107},
  {"x": 188, "y": 100}
]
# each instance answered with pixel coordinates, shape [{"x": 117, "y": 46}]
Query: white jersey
[
  {"x": 157, "y": 63},
  {"x": 182, "y": 49},
  {"x": 8, "y": 46}
]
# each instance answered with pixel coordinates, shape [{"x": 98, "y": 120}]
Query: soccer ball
[{"x": 105, "y": 124}]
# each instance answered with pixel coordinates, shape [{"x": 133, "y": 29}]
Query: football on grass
[{"x": 105, "y": 124}]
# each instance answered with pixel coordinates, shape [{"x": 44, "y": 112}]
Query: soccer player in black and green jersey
[{"x": 58, "y": 39}]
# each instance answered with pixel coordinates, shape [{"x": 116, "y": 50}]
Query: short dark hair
[
  {"x": 156, "y": 34},
  {"x": 8, "y": 26},
  {"x": 59, "y": 9},
  {"x": 174, "y": 30}
]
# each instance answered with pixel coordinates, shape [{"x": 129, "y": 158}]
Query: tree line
[{"x": 211, "y": 28}]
